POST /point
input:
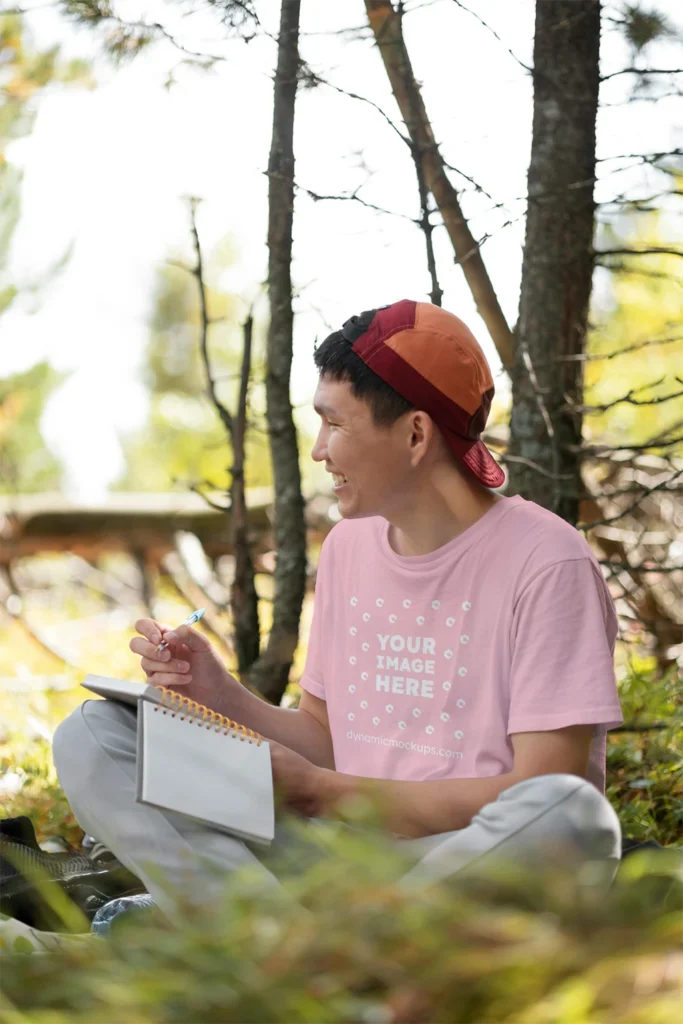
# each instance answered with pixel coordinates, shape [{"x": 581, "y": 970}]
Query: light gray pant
[{"x": 95, "y": 754}]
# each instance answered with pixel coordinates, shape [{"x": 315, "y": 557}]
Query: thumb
[{"x": 190, "y": 637}]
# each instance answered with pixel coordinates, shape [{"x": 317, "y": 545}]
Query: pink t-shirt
[{"x": 430, "y": 663}]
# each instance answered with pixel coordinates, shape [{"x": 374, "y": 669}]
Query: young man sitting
[{"x": 460, "y": 664}]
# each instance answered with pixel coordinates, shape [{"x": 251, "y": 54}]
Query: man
[{"x": 460, "y": 664}]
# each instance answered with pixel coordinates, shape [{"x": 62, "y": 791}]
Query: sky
[{"x": 106, "y": 172}]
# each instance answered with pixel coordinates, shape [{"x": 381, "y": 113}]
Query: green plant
[
  {"x": 645, "y": 768},
  {"x": 344, "y": 942}
]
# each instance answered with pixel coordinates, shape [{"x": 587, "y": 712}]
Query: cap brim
[{"x": 477, "y": 458}]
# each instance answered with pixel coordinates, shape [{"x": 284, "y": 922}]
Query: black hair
[{"x": 336, "y": 360}]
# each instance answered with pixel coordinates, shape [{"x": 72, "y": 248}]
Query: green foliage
[
  {"x": 643, "y": 26},
  {"x": 645, "y": 769},
  {"x": 639, "y": 329},
  {"x": 352, "y": 945},
  {"x": 26, "y": 465},
  {"x": 25, "y": 73},
  {"x": 41, "y": 797},
  {"x": 184, "y": 441}
]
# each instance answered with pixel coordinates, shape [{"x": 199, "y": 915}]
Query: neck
[{"x": 445, "y": 506}]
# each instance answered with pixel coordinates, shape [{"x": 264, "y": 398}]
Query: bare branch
[
  {"x": 526, "y": 358},
  {"x": 318, "y": 80},
  {"x": 629, "y": 399},
  {"x": 663, "y": 485},
  {"x": 212, "y": 504},
  {"x": 475, "y": 184},
  {"x": 198, "y": 273},
  {"x": 606, "y": 449},
  {"x": 627, "y": 269},
  {"x": 427, "y": 229},
  {"x": 654, "y": 250},
  {"x": 597, "y": 357},
  {"x": 493, "y": 32},
  {"x": 627, "y": 567},
  {"x": 535, "y": 466},
  {"x": 354, "y": 197},
  {"x": 642, "y": 72},
  {"x": 642, "y": 157}
]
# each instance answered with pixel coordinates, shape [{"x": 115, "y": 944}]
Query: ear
[{"x": 421, "y": 433}]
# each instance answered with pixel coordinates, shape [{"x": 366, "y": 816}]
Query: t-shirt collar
[{"x": 435, "y": 560}]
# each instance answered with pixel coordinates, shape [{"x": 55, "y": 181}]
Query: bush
[
  {"x": 353, "y": 946},
  {"x": 645, "y": 768}
]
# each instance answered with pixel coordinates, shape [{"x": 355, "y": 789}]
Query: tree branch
[
  {"x": 596, "y": 449},
  {"x": 629, "y": 399},
  {"x": 536, "y": 467},
  {"x": 585, "y": 357},
  {"x": 643, "y": 157},
  {"x": 627, "y": 567},
  {"x": 317, "y": 80},
  {"x": 654, "y": 250},
  {"x": 386, "y": 26},
  {"x": 354, "y": 197},
  {"x": 661, "y": 486},
  {"x": 493, "y": 32},
  {"x": 198, "y": 274},
  {"x": 641, "y": 71}
]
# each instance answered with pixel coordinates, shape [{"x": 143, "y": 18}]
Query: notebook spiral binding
[{"x": 201, "y": 715}]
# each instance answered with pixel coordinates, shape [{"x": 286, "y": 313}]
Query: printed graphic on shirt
[{"x": 408, "y": 689}]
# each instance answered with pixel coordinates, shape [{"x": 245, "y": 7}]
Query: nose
[{"x": 319, "y": 449}]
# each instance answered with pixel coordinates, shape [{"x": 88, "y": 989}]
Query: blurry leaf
[
  {"x": 643, "y": 26},
  {"x": 22, "y": 945},
  {"x": 184, "y": 443}
]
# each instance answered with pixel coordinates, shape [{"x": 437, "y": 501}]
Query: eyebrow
[{"x": 324, "y": 410}]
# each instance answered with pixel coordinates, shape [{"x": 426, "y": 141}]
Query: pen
[{"x": 189, "y": 621}]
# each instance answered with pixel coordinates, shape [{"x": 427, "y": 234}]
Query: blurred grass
[{"x": 353, "y": 946}]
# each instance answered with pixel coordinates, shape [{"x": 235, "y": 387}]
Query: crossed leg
[{"x": 95, "y": 756}]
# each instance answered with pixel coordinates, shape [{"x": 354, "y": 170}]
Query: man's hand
[
  {"x": 189, "y": 665},
  {"x": 297, "y": 782}
]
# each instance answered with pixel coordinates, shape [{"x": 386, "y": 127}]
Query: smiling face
[{"x": 373, "y": 466}]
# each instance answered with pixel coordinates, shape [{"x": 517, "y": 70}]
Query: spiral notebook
[{"x": 193, "y": 761}]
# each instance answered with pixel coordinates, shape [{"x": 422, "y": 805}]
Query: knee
[
  {"x": 69, "y": 744},
  {"x": 579, "y": 811},
  {"x": 80, "y": 742}
]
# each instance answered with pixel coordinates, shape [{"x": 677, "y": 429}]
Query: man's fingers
[
  {"x": 140, "y": 646},
  {"x": 196, "y": 642},
  {"x": 150, "y": 665},
  {"x": 151, "y": 629},
  {"x": 169, "y": 679}
]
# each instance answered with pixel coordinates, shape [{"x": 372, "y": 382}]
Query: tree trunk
[
  {"x": 558, "y": 264},
  {"x": 388, "y": 32},
  {"x": 271, "y": 672},
  {"x": 243, "y": 596}
]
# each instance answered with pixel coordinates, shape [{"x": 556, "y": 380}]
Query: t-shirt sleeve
[
  {"x": 563, "y": 633},
  {"x": 313, "y": 678}
]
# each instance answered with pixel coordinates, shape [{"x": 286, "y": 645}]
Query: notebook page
[{"x": 221, "y": 780}]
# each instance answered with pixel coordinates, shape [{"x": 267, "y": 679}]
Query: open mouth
[{"x": 339, "y": 481}]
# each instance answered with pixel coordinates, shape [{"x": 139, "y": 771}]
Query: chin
[{"x": 353, "y": 511}]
